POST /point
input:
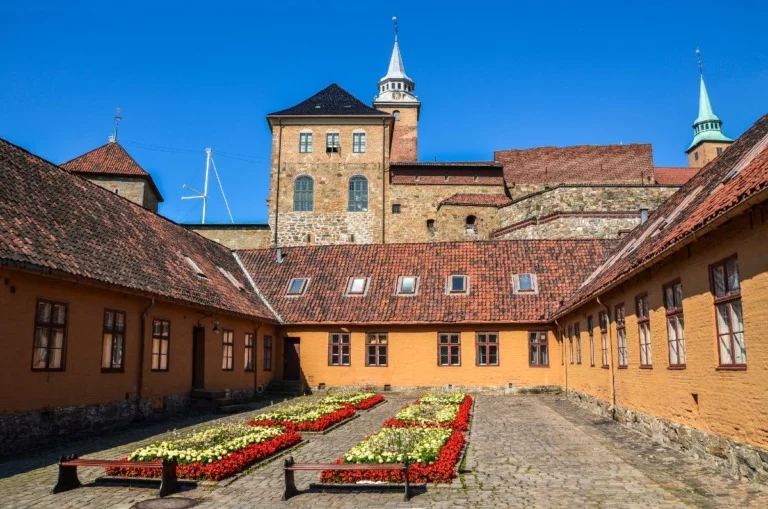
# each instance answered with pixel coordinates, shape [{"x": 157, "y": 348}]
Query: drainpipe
[
  {"x": 562, "y": 354},
  {"x": 277, "y": 191},
  {"x": 610, "y": 360},
  {"x": 140, "y": 372}
]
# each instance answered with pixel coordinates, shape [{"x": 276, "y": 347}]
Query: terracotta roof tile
[
  {"x": 458, "y": 174},
  {"x": 581, "y": 163},
  {"x": 722, "y": 186},
  {"x": 560, "y": 266},
  {"x": 110, "y": 159},
  {"x": 673, "y": 176},
  {"x": 481, "y": 200},
  {"x": 54, "y": 221}
]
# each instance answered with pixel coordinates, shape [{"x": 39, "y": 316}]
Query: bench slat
[
  {"x": 112, "y": 463},
  {"x": 346, "y": 466}
]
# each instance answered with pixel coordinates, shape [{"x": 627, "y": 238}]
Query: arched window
[
  {"x": 358, "y": 194},
  {"x": 303, "y": 193},
  {"x": 396, "y": 114},
  {"x": 470, "y": 221}
]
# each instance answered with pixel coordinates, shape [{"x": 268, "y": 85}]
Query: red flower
[
  {"x": 320, "y": 424},
  {"x": 230, "y": 464},
  {"x": 460, "y": 423},
  {"x": 441, "y": 470},
  {"x": 370, "y": 402}
]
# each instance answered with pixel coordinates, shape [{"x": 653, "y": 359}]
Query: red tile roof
[
  {"x": 581, "y": 163},
  {"x": 559, "y": 264},
  {"x": 55, "y": 222},
  {"x": 673, "y": 176},
  {"x": 480, "y": 200},
  {"x": 110, "y": 159},
  {"x": 725, "y": 187}
]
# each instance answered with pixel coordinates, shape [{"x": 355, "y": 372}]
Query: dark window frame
[
  {"x": 357, "y": 194},
  {"x": 577, "y": 339},
  {"x": 448, "y": 345},
  {"x": 267, "y": 349},
  {"x": 112, "y": 330},
  {"x": 378, "y": 345},
  {"x": 485, "y": 345},
  {"x": 336, "y": 342},
  {"x": 620, "y": 317},
  {"x": 643, "y": 314},
  {"x": 675, "y": 313},
  {"x": 50, "y": 327},
  {"x": 249, "y": 361},
  {"x": 569, "y": 335},
  {"x": 304, "y": 194},
  {"x": 227, "y": 350},
  {"x": 727, "y": 299},
  {"x": 604, "y": 324},
  {"x": 591, "y": 328},
  {"x": 396, "y": 208},
  {"x": 542, "y": 354},
  {"x": 161, "y": 337}
]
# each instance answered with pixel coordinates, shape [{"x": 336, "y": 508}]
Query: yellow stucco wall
[
  {"x": 413, "y": 358},
  {"x": 730, "y": 403}
]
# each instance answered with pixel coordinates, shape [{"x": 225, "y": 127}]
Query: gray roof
[{"x": 331, "y": 101}]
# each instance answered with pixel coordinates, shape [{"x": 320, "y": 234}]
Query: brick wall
[
  {"x": 405, "y": 133},
  {"x": 705, "y": 153}
]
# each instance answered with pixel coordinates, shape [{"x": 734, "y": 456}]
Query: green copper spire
[{"x": 707, "y": 127}]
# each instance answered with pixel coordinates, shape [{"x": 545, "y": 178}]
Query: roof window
[
  {"x": 525, "y": 283},
  {"x": 297, "y": 286},
  {"x": 458, "y": 283},
  {"x": 237, "y": 284},
  {"x": 407, "y": 285},
  {"x": 195, "y": 267},
  {"x": 357, "y": 286}
]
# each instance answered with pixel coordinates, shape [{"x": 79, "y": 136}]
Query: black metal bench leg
[
  {"x": 290, "y": 481},
  {"x": 169, "y": 482},
  {"x": 68, "y": 479},
  {"x": 407, "y": 496}
]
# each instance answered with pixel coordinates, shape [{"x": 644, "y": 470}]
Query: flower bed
[
  {"x": 359, "y": 400},
  {"x": 306, "y": 416},
  {"x": 451, "y": 410},
  {"x": 212, "y": 454},
  {"x": 433, "y": 453}
]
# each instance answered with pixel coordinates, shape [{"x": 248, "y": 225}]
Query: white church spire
[{"x": 396, "y": 86}]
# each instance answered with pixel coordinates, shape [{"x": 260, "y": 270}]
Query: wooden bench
[
  {"x": 290, "y": 467},
  {"x": 68, "y": 479}
]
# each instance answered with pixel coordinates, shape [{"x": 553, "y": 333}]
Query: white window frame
[
  {"x": 303, "y": 290},
  {"x": 351, "y": 282},
  {"x": 449, "y": 285}
]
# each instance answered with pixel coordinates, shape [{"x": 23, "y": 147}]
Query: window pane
[
  {"x": 534, "y": 359},
  {"x": 40, "y": 358},
  {"x": 669, "y": 300},
  {"x": 722, "y": 319},
  {"x": 43, "y": 312},
  {"x": 163, "y": 347},
  {"x": 493, "y": 354},
  {"x": 718, "y": 280},
  {"x": 41, "y": 337},
  {"x": 58, "y": 338},
  {"x": 59, "y": 314},
  {"x": 481, "y": 355},
  {"x": 106, "y": 351},
  {"x": 457, "y": 283},
  {"x": 740, "y": 353},
  {"x": 55, "y": 359},
  {"x": 678, "y": 295},
  {"x": 525, "y": 282},
  {"x": 407, "y": 284},
  {"x": 109, "y": 319},
  {"x": 544, "y": 355},
  {"x": 357, "y": 286},
  {"x": 296, "y": 286}
]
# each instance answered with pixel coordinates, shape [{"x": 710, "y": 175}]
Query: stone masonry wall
[
  {"x": 329, "y": 222},
  {"x": 242, "y": 237},
  {"x": 405, "y": 134},
  {"x": 133, "y": 189},
  {"x": 584, "y": 227},
  {"x": 418, "y": 203},
  {"x": 585, "y": 198}
]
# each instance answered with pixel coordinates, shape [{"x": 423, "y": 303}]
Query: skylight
[
  {"x": 297, "y": 286},
  {"x": 195, "y": 267},
  {"x": 356, "y": 285},
  {"x": 237, "y": 284},
  {"x": 458, "y": 283},
  {"x": 407, "y": 285}
]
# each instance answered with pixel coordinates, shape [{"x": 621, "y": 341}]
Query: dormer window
[
  {"x": 331, "y": 143},
  {"x": 297, "y": 286},
  {"x": 407, "y": 285},
  {"x": 524, "y": 283},
  {"x": 458, "y": 283},
  {"x": 195, "y": 267},
  {"x": 357, "y": 286}
]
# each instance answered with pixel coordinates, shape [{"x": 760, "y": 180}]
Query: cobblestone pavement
[{"x": 525, "y": 451}]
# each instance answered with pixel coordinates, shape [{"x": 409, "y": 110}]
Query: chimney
[
  {"x": 643, "y": 215},
  {"x": 279, "y": 255}
]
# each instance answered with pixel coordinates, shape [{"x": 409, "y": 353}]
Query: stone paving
[{"x": 525, "y": 451}]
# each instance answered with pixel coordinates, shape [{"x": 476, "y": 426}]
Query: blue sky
[{"x": 491, "y": 75}]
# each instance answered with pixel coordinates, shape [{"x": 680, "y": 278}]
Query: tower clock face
[{"x": 396, "y": 95}]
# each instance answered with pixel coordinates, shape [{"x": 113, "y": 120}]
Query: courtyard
[{"x": 525, "y": 451}]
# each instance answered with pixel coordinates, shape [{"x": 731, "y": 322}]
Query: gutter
[
  {"x": 673, "y": 248},
  {"x": 562, "y": 356},
  {"x": 256, "y": 289},
  {"x": 277, "y": 191}
]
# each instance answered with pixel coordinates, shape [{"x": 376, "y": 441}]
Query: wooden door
[
  {"x": 291, "y": 363},
  {"x": 198, "y": 358}
]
